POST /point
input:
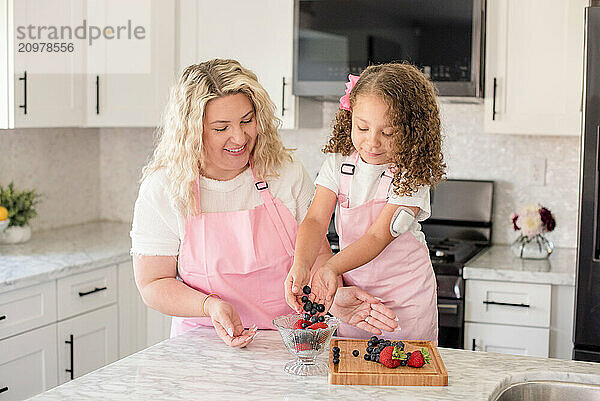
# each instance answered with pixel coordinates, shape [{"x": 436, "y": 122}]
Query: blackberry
[
  {"x": 321, "y": 318},
  {"x": 367, "y": 357},
  {"x": 355, "y": 352},
  {"x": 306, "y": 290},
  {"x": 314, "y": 319},
  {"x": 304, "y": 298},
  {"x": 336, "y": 361},
  {"x": 321, "y": 307}
]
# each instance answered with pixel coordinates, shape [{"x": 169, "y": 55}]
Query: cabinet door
[
  {"x": 258, "y": 33},
  {"x": 28, "y": 364},
  {"x": 46, "y": 88},
  {"x": 87, "y": 342},
  {"x": 504, "y": 339},
  {"x": 534, "y": 66},
  {"x": 134, "y": 99},
  {"x": 132, "y": 313}
]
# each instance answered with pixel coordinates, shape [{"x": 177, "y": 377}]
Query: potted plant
[
  {"x": 21, "y": 209},
  {"x": 533, "y": 221}
]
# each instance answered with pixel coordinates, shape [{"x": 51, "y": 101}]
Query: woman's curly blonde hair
[
  {"x": 179, "y": 148},
  {"x": 413, "y": 113}
]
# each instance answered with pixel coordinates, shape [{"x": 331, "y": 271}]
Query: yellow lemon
[{"x": 3, "y": 213}]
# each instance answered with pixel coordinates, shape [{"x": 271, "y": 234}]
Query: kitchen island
[{"x": 199, "y": 366}]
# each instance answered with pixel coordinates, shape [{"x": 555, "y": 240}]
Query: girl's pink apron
[
  {"x": 401, "y": 275},
  {"x": 243, "y": 256}
]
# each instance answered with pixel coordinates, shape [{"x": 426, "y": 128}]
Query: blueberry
[
  {"x": 321, "y": 318},
  {"x": 306, "y": 290},
  {"x": 321, "y": 307},
  {"x": 336, "y": 361},
  {"x": 373, "y": 357},
  {"x": 400, "y": 344},
  {"x": 307, "y": 307},
  {"x": 387, "y": 343},
  {"x": 313, "y": 311},
  {"x": 377, "y": 358},
  {"x": 307, "y": 316},
  {"x": 369, "y": 349},
  {"x": 367, "y": 357},
  {"x": 375, "y": 351},
  {"x": 336, "y": 350},
  {"x": 304, "y": 299},
  {"x": 314, "y": 319},
  {"x": 310, "y": 305},
  {"x": 304, "y": 325},
  {"x": 381, "y": 346},
  {"x": 355, "y": 352},
  {"x": 370, "y": 343},
  {"x": 374, "y": 338},
  {"x": 403, "y": 362}
]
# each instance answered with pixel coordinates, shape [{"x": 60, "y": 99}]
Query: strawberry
[
  {"x": 298, "y": 324},
  {"x": 303, "y": 347},
  {"x": 419, "y": 358},
  {"x": 391, "y": 357},
  {"x": 318, "y": 325}
]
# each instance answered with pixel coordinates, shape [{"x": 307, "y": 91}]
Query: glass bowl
[{"x": 305, "y": 344}]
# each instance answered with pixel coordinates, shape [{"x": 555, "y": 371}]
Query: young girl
[{"x": 383, "y": 156}]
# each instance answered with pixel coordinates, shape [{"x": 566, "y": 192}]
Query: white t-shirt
[
  {"x": 364, "y": 188},
  {"x": 158, "y": 227}
]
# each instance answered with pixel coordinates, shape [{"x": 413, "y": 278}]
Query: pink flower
[{"x": 345, "y": 100}]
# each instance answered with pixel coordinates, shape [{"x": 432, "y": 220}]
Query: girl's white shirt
[
  {"x": 364, "y": 188},
  {"x": 158, "y": 228}
]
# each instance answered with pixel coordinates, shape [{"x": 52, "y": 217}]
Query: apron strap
[
  {"x": 346, "y": 174},
  {"x": 267, "y": 197},
  {"x": 197, "y": 195},
  {"x": 383, "y": 189}
]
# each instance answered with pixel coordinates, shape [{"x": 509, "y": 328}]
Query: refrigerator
[{"x": 587, "y": 298}]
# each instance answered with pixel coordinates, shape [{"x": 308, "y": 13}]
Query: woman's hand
[
  {"x": 354, "y": 306},
  {"x": 228, "y": 324},
  {"x": 296, "y": 279},
  {"x": 324, "y": 284}
]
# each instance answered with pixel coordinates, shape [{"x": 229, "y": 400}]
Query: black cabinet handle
[
  {"x": 506, "y": 304},
  {"x": 3, "y": 389},
  {"x": 283, "y": 84},
  {"x": 494, "y": 100},
  {"x": 474, "y": 345},
  {"x": 70, "y": 341},
  {"x": 24, "y": 79},
  {"x": 97, "y": 94},
  {"x": 83, "y": 294},
  {"x": 2, "y": 317}
]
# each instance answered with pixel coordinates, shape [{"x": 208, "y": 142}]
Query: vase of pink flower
[{"x": 533, "y": 221}]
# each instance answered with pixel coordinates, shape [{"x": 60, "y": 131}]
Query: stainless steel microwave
[{"x": 334, "y": 38}]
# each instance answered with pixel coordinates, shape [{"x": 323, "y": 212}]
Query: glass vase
[{"x": 538, "y": 247}]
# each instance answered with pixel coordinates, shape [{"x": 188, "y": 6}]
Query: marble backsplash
[{"x": 91, "y": 174}]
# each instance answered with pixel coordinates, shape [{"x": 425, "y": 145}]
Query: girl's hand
[
  {"x": 228, "y": 324},
  {"x": 354, "y": 306},
  {"x": 296, "y": 279},
  {"x": 324, "y": 284}
]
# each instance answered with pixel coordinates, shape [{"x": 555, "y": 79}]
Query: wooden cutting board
[{"x": 355, "y": 370}]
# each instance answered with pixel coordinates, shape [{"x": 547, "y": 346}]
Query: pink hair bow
[{"x": 345, "y": 100}]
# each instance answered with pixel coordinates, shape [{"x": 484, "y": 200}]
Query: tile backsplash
[{"x": 91, "y": 174}]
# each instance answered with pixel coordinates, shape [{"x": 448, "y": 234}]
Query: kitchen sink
[{"x": 543, "y": 390}]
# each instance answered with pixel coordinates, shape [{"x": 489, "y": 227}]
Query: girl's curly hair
[{"x": 413, "y": 113}]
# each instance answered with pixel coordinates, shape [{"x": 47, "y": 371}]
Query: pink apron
[
  {"x": 243, "y": 256},
  {"x": 401, "y": 275}
]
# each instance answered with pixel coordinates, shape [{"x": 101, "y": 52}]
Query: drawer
[
  {"x": 86, "y": 291},
  {"x": 508, "y": 303},
  {"x": 514, "y": 340},
  {"x": 27, "y": 308}
]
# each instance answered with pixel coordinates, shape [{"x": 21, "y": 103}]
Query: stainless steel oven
[{"x": 333, "y": 38}]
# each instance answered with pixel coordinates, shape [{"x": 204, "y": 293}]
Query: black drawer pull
[
  {"x": 3, "y": 389},
  {"x": 506, "y": 304},
  {"x": 71, "y": 343},
  {"x": 83, "y": 294},
  {"x": 2, "y": 317}
]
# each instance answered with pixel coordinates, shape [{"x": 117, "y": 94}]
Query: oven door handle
[{"x": 449, "y": 309}]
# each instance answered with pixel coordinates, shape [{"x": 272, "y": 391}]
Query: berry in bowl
[{"x": 306, "y": 340}]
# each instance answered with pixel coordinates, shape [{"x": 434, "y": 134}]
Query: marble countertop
[
  {"x": 498, "y": 263},
  {"x": 199, "y": 366},
  {"x": 63, "y": 251}
]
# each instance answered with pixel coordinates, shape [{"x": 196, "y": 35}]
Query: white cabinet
[
  {"x": 258, "y": 33},
  {"x": 132, "y": 313},
  {"x": 516, "y": 340},
  {"x": 534, "y": 66},
  {"x": 135, "y": 99},
  {"x": 87, "y": 342},
  {"x": 27, "y": 308},
  {"x": 28, "y": 364}
]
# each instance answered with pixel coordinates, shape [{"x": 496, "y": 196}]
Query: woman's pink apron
[
  {"x": 401, "y": 275},
  {"x": 243, "y": 256}
]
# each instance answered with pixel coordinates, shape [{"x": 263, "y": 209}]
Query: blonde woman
[{"x": 218, "y": 209}]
